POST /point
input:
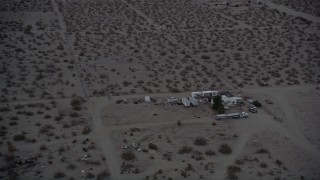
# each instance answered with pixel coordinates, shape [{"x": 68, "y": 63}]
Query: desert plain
[{"x": 74, "y": 75}]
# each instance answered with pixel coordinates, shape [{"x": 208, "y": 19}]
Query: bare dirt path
[
  {"x": 264, "y": 121},
  {"x": 255, "y": 124},
  {"x": 102, "y": 134},
  {"x": 103, "y": 138},
  {"x": 289, "y": 128},
  {"x": 70, "y": 48},
  {"x": 292, "y": 12}
]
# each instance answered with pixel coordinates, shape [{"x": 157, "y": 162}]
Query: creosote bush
[
  {"x": 232, "y": 170},
  {"x": 210, "y": 152},
  {"x": 179, "y": 123},
  {"x": 19, "y": 137},
  {"x": 128, "y": 155},
  {"x": 43, "y": 147},
  {"x": 59, "y": 175},
  {"x": 225, "y": 149},
  {"x": 153, "y": 146},
  {"x": 200, "y": 141},
  {"x": 185, "y": 150}
]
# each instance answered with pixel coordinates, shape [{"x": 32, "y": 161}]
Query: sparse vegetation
[
  {"x": 76, "y": 103},
  {"x": 256, "y": 103},
  {"x": 59, "y": 175},
  {"x": 232, "y": 171},
  {"x": 225, "y": 149},
  {"x": 217, "y": 104},
  {"x": 185, "y": 150},
  {"x": 153, "y": 146},
  {"x": 56, "y": 55},
  {"x": 179, "y": 123},
  {"x": 19, "y": 137},
  {"x": 200, "y": 141},
  {"x": 128, "y": 155},
  {"x": 210, "y": 152}
]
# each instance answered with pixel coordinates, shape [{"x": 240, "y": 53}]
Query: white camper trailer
[
  {"x": 196, "y": 94},
  {"x": 231, "y": 101},
  {"x": 193, "y": 101},
  {"x": 172, "y": 100},
  {"x": 209, "y": 93},
  {"x": 185, "y": 102}
]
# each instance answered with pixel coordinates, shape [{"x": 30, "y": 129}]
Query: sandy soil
[
  {"x": 263, "y": 147},
  {"x": 64, "y": 64}
]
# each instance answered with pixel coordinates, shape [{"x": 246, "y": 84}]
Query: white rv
[
  {"x": 196, "y": 94},
  {"x": 231, "y": 101},
  {"x": 209, "y": 93},
  {"x": 185, "y": 102},
  {"x": 193, "y": 101}
]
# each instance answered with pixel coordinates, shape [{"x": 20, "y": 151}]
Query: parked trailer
[
  {"x": 172, "y": 100},
  {"x": 185, "y": 102},
  {"x": 232, "y": 115},
  {"x": 209, "y": 93},
  {"x": 196, "y": 94},
  {"x": 193, "y": 101}
]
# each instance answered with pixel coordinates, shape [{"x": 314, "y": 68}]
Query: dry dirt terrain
[
  {"x": 67, "y": 65},
  {"x": 275, "y": 143}
]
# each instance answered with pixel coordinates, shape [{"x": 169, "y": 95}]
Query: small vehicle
[
  {"x": 253, "y": 110},
  {"x": 172, "y": 100},
  {"x": 268, "y": 101}
]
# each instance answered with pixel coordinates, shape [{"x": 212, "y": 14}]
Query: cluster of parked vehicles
[{"x": 252, "y": 108}]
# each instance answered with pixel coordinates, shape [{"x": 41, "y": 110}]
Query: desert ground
[{"x": 68, "y": 65}]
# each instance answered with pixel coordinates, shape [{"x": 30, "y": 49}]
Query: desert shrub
[
  {"x": 3, "y": 133},
  {"x": 189, "y": 167},
  {"x": 46, "y": 128},
  {"x": 232, "y": 170},
  {"x": 86, "y": 130},
  {"x": 145, "y": 150},
  {"x": 200, "y": 141},
  {"x": 256, "y": 103},
  {"x": 205, "y": 57},
  {"x": 19, "y": 137},
  {"x": 210, "y": 152},
  {"x": 262, "y": 151},
  {"x": 89, "y": 175},
  {"x": 128, "y": 155},
  {"x": 61, "y": 149},
  {"x": 239, "y": 162},
  {"x": 103, "y": 174},
  {"x": 263, "y": 165},
  {"x": 153, "y": 146},
  {"x": 217, "y": 104},
  {"x": 11, "y": 147},
  {"x": 184, "y": 174},
  {"x": 220, "y": 109},
  {"x": 225, "y": 149},
  {"x": 43, "y": 147},
  {"x": 136, "y": 171},
  {"x": 76, "y": 103},
  {"x": 167, "y": 155},
  {"x": 71, "y": 166},
  {"x": 47, "y": 116},
  {"x": 59, "y": 174},
  {"x": 278, "y": 162},
  {"x": 185, "y": 150},
  {"x": 74, "y": 114},
  {"x": 217, "y": 100},
  {"x": 179, "y": 123}
]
